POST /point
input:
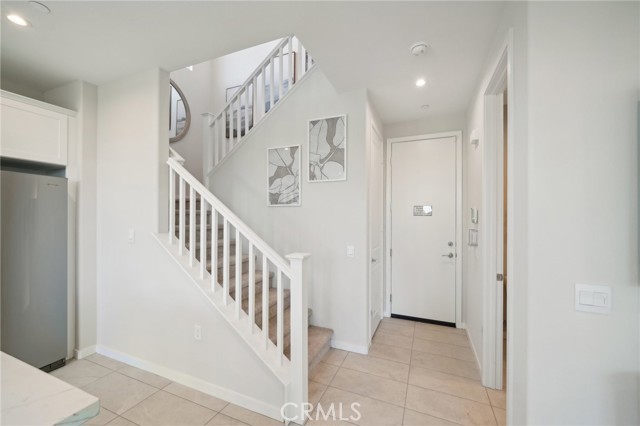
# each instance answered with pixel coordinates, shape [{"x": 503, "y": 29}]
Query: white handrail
[
  {"x": 251, "y": 103},
  {"x": 254, "y": 74},
  {"x": 234, "y": 220},
  {"x": 174, "y": 154}
]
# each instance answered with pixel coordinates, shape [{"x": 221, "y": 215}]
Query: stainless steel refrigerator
[{"x": 34, "y": 268}]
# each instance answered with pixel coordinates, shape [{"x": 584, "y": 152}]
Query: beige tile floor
[{"x": 415, "y": 374}]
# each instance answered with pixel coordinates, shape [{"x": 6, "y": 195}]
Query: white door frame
[
  {"x": 375, "y": 130},
  {"x": 493, "y": 139},
  {"x": 457, "y": 134}
]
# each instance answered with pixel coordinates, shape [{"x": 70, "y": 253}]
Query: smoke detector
[{"x": 419, "y": 48}]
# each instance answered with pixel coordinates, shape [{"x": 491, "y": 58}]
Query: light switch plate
[
  {"x": 593, "y": 298},
  {"x": 351, "y": 251}
]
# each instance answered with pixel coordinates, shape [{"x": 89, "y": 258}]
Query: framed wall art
[
  {"x": 284, "y": 175},
  {"x": 327, "y": 140}
]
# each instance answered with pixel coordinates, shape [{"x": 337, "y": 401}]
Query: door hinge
[
  {"x": 500, "y": 277},
  {"x": 391, "y": 298},
  {"x": 390, "y": 252}
]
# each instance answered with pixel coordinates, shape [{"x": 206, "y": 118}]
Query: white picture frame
[
  {"x": 283, "y": 176},
  {"x": 327, "y": 149}
]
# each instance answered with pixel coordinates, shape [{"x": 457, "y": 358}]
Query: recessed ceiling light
[
  {"x": 421, "y": 82},
  {"x": 18, "y": 20},
  {"x": 39, "y": 7}
]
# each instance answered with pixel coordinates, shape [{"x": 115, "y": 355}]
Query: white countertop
[{"x": 32, "y": 397}]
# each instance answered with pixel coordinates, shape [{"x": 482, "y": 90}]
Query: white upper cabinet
[{"x": 33, "y": 130}]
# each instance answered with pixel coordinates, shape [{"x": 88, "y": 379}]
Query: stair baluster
[{"x": 254, "y": 99}]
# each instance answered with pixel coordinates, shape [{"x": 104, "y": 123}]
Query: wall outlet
[{"x": 197, "y": 332}]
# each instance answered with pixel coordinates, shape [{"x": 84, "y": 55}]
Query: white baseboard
[
  {"x": 83, "y": 353},
  {"x": 184, "y": 379},
  {"x": 475, "y": 353},
  {"x": 346, "y": 346}
]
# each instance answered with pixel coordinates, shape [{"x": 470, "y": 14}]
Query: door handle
[{"x": 450, "y": 255}]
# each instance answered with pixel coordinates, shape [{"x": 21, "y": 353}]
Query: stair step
[
  {"x": 319, "y": 344},
  {"x": 245, "y": 286},
  {"x": 232, "y": 245},
  {"x": 273, "y": 309},
  {"x": 273, "y": 331},
  {"x": 232, "y": 264},
  {"x": 286, "y": 330}
]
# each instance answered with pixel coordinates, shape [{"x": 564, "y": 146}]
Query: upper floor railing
[{"x": 223, "y": 132}]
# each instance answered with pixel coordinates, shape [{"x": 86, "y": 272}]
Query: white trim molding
[
  {"x": 85, "y": 352},
  {"x": 194, "y": 382},
  {"x": 492, "y": 342},
  {"x": 457, "y": 134}
]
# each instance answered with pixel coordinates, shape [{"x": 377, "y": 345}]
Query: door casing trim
[
  {"x": 373, "y": 129},
  {"x": 502, "y": 78},
  {"x": 457, "y": 134}
]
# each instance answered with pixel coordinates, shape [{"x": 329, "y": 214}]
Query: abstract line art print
[
  {"x": 284, "y": 176},
  {"x": 328, "y": 149}
]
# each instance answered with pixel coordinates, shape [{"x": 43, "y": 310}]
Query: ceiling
[{"x": 357, "y": 44}]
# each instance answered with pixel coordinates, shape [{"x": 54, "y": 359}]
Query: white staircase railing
[
  {"x": 227, "y": 266},
  {"x": 287, "y": 63}
]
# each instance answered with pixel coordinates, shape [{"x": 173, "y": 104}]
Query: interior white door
[
  {"x": 423, "y": 229},
  {"x": 376, "y": 231}
]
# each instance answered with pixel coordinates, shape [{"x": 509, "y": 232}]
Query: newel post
[
  {"x": 207, "y": 146},
  {"x": 298, "y": 389}
]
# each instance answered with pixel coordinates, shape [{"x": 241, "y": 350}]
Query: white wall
[
  {"x": 81, "y": 171},
  {"x": 427, "y": 125},
  {"x": 575, "y": 178},
  {"x": 147, "y": 307},
  {"x": 332, "y": 216},
  {"x": 205, "y": 89},
  {"x": 583, "y": 205}
]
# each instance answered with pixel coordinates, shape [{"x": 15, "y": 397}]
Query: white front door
[
  {"x": 376, "y": 231},
  {"x": 423, "y": 229}
]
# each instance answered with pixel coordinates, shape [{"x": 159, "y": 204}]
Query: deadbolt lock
[{"x": 450, "y": 243}]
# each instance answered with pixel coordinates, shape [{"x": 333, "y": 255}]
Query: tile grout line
[
  {"x": 456, "y": 396},
  {"x": 406, "y": 389},
  {"x": 131, "y": 408},
  {"x": 159, "y": 389},
  {"x": 376, "y": 375}
]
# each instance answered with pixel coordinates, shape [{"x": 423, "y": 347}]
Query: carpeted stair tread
[
  {"x": 245, "y": 285},
  {"x": 273, "y": 309},
  {"x": 232, "y": 263}
]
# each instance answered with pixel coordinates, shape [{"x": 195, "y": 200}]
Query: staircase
[
  {"x": 319, "y": 338},
  {"x": 262, "y": 295}
]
